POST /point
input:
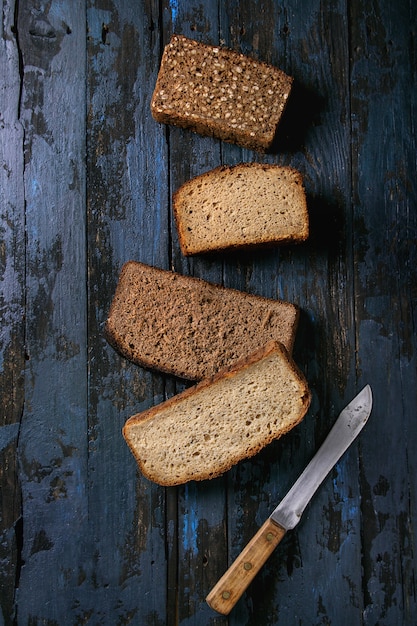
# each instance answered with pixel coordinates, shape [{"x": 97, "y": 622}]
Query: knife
[{"x": 287, "y": 514}]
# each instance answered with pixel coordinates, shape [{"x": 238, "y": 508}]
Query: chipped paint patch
[
  {"x": 190, "y": 522},
  {"x": 173, "y": 5}
]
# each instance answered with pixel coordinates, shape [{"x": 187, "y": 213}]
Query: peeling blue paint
[
  {"x": 174, "y": 10},
  {"x": 350, "y": 506},
  {"x": 95, "y": 20},
  {"x": 190, "y": 523},
  {"x": 8, "y": 433}
]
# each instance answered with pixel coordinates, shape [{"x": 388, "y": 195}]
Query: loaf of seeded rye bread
[
  {"x": 202, "y": 432},
  {"x": 215, "y": 91},
  {"x": 241, "y": 206},
  {"x": 189, "y": 327}
]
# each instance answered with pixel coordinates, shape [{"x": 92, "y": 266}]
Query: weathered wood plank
[
  {"x": 127, "y": 219},
  {"x": 302, "y": 42},
  {"x": 12, "y": 298},
  {"x": 384, "y": 159},
  {"x": 52, "y": 440},
  {"x": 201, "y": 507}
]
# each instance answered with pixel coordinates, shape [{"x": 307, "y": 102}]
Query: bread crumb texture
[
  {"x": 189, "y": 327},
  {"x": 215, "y": 91},
  {"x": 249, "y": 204},
  {"x": 207, "y": 429}
]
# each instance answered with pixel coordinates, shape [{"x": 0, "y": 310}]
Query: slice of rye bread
[
  {"x": 241, "y": 206},
  {"x": 216, "y": 91},
  {"x": 189, "y": 327},
  {"x": 205, "y": 430}
]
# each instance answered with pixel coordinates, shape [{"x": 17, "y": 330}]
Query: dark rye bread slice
[
  {"x": 241, "y": 206},
  {"x": 215, "y": 91},
  {"x": 189, "y": 327},
  {"x": 202, "y": 432}
]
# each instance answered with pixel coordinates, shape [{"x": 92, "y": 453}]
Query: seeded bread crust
[
  {"x": 218, "y": 92},
  {"x": 189, "y": 327},
  {"x": 241, "y": 206},
  {"x": 204, "y": 431}
]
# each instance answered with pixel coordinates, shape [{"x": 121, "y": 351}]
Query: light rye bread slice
[
  {"x": 189, "y": 327},
  {"x": 215, "y": 91},
  {"x": 241, "y": 206},
  {"x": 202, "y": 432}
]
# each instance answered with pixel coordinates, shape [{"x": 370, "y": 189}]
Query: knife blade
[{"x": 287, "y": 514}]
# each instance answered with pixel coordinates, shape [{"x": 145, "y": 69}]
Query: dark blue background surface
[{"x": 86, "y": 181}]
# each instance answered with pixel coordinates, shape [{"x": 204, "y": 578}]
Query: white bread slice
[
  {"x": 241, "y": 206},
  {"x": 205, "y": 430},
  {"x": 215, "y": 91},
  {"x": 189, "y": 327}
]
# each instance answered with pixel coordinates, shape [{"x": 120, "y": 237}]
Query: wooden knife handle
[{"x": 243, "y": 570}]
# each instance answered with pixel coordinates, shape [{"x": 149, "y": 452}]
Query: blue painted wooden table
[{"x": 86, "y": 182}]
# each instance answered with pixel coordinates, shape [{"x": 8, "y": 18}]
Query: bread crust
[
  {"x": 153, "y": 413},
  {"x": 264, "y": 237},
  {"x": 204, "y": 111}
]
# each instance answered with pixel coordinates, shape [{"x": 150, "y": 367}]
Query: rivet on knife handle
[{"x": 243, "y": 570}]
